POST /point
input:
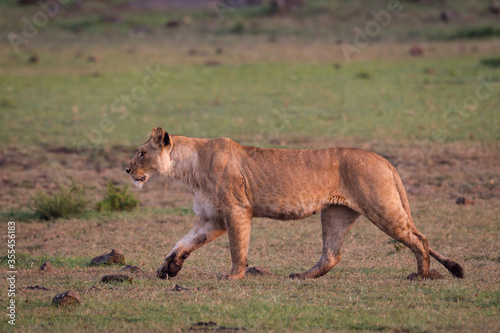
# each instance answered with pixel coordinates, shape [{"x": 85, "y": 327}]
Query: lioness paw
[
  {"x": 433, "y": 275},
  {"x": 299, "y": 276},
  {"x": 169, "y": 269}
]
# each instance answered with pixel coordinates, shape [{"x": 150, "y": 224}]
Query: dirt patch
[{"x": 167, "y": 4}]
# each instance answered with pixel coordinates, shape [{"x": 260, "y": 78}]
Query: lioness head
[{"x": 152, "y": 158}]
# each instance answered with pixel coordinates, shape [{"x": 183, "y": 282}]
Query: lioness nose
[{"x": 127, "y": 170}]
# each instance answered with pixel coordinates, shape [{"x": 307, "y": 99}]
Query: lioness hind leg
[
  {"x": 336, "y": 221},
  {"x": 399, "y": 226}
]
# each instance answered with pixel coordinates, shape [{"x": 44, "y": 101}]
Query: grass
[
  {"x": 243, "y": 100},
  {"x": 350, "y": 298},
  {"x": 267, "y": 81}
]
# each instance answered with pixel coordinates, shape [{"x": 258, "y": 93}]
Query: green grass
[
  {"x": 367, "y": 291},
  {"x": 244, "y": 101}
]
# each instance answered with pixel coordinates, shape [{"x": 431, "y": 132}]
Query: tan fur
[{"x": 232, "y": 183}]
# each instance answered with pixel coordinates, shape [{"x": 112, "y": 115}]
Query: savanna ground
[{"x": 274, "y": 81}]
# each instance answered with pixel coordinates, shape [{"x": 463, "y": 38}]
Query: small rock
[
  {"x": 257, "y": 271},
  {"x": 212, "y": 63},
  {"x": 69, "y": 297},
  {"x": 132, "y": 269},
  {"x": 464, "y": 201},
  {"x": 37, "y": 287},
  {"x": 93, "y": 59},
  {"x": 114, "y": 257},
  {"x": 203, "y": 326},
  {"x": 33, "y": 59},
  {"x": 179, "y": 288},
  {"x": 494, "y": 8},
  {"x": 416, "y": 51},
  {"x": 219, "y": 50},
  {"x": 445, "y": 16},
  {"x": 116, "y": 278},
  {"x": 46, "y": 267},
  {"x": 173, "y": 24}
]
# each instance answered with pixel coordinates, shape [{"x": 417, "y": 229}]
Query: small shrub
[
  {"x": 117, "y": 199},
  {"x": 66, "y": 202},
  {"x": 238, "y": 28},
  {"x": 491, "y": 62},
  {"x": 363, "y": 75},
  {"x": 478, "y": 32}
]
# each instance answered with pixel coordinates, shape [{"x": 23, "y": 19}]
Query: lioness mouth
[{"x": 141, "y": 179}]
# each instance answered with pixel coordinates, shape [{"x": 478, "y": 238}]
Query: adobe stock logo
[
  {"x": 30, "y": 28},
  {"x": 372, "y": 29}
]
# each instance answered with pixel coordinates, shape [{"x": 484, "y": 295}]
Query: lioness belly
[{"x": 290, "y": 208}]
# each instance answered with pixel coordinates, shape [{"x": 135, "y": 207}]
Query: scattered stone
[
  {"x": 173, "y": 24},
  {"x": 46, "y": 267},
  {"x": 202, "y": 326},
  {"x": 494, "y": 8},
  {"x": 212, "y": 63},
  {"x": 33, "y": 59},
  {"x": 93, "y": 59},
  {"x": 253, "y": 270},
  {"x": 115, "y": 257},
  {"x": 37, "y": 287},
  {"x": 132, "y": 269},
  {"x": 464, "y": 201},
  {"x": 211, "y": 326},
  {"x": 69, "y": 297},
  {"x": 192, "y": 52},
  {"x": 445, "y": 16},
  {"x": 336, "y": 65},
  {"x": 416, "y": 51},
  {"x": 179, "y": 288},
  {"x": 116, "y": 278},
  {"x": 219, "y": 50}
]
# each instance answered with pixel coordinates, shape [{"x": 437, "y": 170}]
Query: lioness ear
[{"x": 159, "y": 137}]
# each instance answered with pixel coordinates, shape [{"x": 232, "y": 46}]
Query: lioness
[{"x": 232, "y": 183}]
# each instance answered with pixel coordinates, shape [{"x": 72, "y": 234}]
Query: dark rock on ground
[
  {"x": 115, "y": 257},
  {"x": 117, "y": 278},
  {"x": 46, "y": 267},
  {"x": 69, "y": 297},
  {"x": 132, "y": 269}
]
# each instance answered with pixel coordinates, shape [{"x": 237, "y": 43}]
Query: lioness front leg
[
  {"x": 202, "y": 233},
  {"x": 238, "y": 229}
]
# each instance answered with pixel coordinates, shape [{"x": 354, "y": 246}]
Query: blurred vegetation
[
  {"x": 68, "y": 201},
  {"x": 418, "y": 20},
  {"x": 117, "y": 199}
]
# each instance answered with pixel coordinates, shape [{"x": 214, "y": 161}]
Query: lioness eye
[{"x": 141, "y": 155}]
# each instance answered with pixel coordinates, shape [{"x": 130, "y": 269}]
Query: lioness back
[{"x": 296, "y": 183}]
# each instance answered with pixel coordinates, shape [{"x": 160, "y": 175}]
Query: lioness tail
[{"x": 450, "y": 265}]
